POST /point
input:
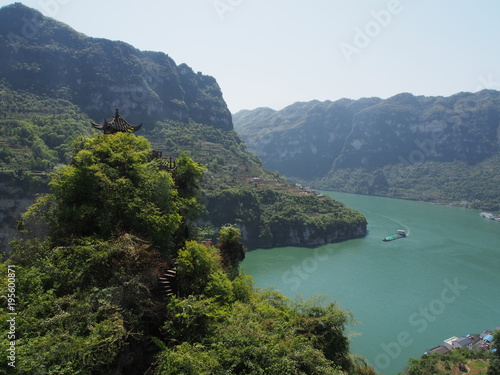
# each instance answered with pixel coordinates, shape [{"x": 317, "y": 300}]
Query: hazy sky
[{"x": 273, "y": 53}]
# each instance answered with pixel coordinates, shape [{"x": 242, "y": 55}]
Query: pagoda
[{"x": 116, "y": 124}]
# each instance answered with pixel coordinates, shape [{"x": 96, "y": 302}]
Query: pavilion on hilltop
[
  {"x": 116, "y": 124},
  {"x": 119, "y": 124}
]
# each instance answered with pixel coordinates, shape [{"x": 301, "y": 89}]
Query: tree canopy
[
  {"x": 113, "y": 185},
  {"x": 94, "y": 299}
]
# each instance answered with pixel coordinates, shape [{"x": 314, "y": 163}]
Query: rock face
[
  {"x": 314, "y": 236},
  {"x": 14, "y": 200},
  {"x": 301, "y": 221},
  {"x": 299, "y": 235},
  {"x": 323, "y": 142},
  {"x": 46, "y": 57},
  {"x": 305, "y": 140}
]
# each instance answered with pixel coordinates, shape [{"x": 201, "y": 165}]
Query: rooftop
[
  {"x": 488, "y": 337},
  {"x": 438, "y": 349},
  {"x": 463, "y": 341},
  {"x": 116, "y": 124}
]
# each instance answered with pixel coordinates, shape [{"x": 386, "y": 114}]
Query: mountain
[
  {"x": 46, "y": 57},
  {"x": 442, "y": 149},
  {"x": 55, "y": 81}
]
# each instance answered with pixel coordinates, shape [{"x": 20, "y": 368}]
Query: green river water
[{"x": 408, "y": 295}]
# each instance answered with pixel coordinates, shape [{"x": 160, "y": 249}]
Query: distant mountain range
[
  {"x": 54, "y": 81},
  {"x": 442, "y": 149}
]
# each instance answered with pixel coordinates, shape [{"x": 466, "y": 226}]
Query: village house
[{"x": 472, "y": 342}]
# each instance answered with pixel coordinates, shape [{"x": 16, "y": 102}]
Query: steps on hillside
[{"x": 168, "y": 283}]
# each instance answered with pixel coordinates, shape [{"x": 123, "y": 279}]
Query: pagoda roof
[{"x": 116, "y": 124}]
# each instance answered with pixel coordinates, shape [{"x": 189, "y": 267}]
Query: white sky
[{"x": 272, "y": 53}]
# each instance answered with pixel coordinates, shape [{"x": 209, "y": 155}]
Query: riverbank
[
  {"x": 474, "y": 341},
  {"x": 490, "y": 216},
  {"x": 455, "y": 204},
  {"x": 396, "y": 287}
]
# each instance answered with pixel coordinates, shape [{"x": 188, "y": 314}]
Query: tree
[
  {"x": 87, "y": 308},
  {"x": 187, "y": 176},
  {"x": 259, "y": 336},
  {"x": 92, "y": 297},
  {"x": 494, "y": 368},
  {"x": 231, "y": 248},
  {"x": 195, "y": 264},
  {"x": 325, "y": 326},
  {"x": 112, "y": 186}
]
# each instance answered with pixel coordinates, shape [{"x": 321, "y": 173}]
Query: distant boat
[
  {"x": 401, "y": 233},
  {"x": 487, "y": 215}
]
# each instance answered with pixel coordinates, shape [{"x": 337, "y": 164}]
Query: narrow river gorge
[{"x": 407, "y": 295}]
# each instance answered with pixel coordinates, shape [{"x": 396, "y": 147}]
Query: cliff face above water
[
  {"x": 431, "y": 148},
  {"x": 54, "y": 81}
]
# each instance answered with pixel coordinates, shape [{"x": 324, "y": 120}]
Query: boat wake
[{"x": 407, "y": 229}]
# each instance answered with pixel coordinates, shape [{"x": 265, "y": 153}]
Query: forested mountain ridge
[
  {"x": 443, "y": 149},
  {"x": 54, "y": 81},
  {"x": 46, "y": 57}
]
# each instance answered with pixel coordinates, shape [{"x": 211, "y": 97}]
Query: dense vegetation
[
  {"x": 484, "y": 361},
  {"x": 182, "y": 111},
  {"x": 437, "y": 149},
  {"x": 123, "y": 188},
  {"x": 237, "y": 189},
  {"x": 473, "y": 186},
  {"x": 36, "y": 133},
  {"x": 90, "y": 298}
]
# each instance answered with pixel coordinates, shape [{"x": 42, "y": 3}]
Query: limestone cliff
[{"x": 433, "y": 148}]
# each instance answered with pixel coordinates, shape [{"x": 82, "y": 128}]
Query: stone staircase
[{"x": 168, "y": 283}]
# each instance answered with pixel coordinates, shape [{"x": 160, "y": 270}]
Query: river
[{"x": 407, "y": 295}]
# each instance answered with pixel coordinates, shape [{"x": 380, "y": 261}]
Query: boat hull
[
  {"x": 400, "y": 234},
  {"x": 392, "y": 238}
]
